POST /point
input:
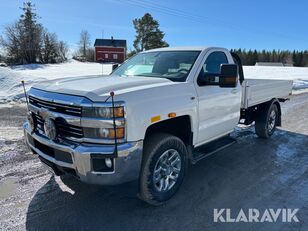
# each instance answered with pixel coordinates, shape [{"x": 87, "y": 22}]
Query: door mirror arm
[{"x": 208, "y": 79}]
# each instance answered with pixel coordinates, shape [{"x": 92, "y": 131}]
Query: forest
[{"x": 295, "y": 58}]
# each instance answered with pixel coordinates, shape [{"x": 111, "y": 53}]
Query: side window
[{"x": 213, "y": 62}]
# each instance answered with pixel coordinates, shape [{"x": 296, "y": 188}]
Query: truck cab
[{"x": 152, "y": 116}]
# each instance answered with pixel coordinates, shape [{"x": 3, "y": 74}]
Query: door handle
[{"x": 234, "y": 91}]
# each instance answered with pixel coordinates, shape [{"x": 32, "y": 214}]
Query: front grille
[
  {"x": 64, "y": 129},
  {"x": 68, "y": 130},
  {"x": 40, "y": 122},
  {"x": 57, "y": 107}
]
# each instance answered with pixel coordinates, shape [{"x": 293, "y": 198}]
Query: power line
[
  {"x": 196, "y": 18},
  {"x": 158, "y": 9},
  {"x": 173, "y": 12},
  {"x": 178, "y": 11}
]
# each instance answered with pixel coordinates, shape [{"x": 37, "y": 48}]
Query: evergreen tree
[
  {"x": 148, "y": 34},
  {"x": 31, "y": 32},
  {"x": 296, "y": 58},
  {"x": 26, "y": 41},
  {"x": 49, "y": 50},
  {"x": 254, "y": 57}
]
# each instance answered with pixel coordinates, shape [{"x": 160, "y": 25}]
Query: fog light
[{"x": 108, "y": 162}]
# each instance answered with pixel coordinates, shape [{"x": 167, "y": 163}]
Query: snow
[
  {"x": 11, "y": 77},
  {"x": 69, "y": 69}
]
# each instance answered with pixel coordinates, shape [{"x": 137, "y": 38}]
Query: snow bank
[
  {"x": 11, "y": 77},
  {"x": 69, "y": 69},
  {"x": 11, "y": 88}
]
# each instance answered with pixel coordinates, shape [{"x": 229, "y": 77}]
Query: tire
[
  {"x": 166, "y": 155},
  {"x": 267, "y": 121}
]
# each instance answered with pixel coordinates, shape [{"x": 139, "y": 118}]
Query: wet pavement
[{"x": 253, "y": 173}]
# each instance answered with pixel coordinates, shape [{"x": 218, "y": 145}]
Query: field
[{"x": 11, "y": 77}]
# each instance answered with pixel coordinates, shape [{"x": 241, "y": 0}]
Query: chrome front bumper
[{"x": 126, "y": 168}]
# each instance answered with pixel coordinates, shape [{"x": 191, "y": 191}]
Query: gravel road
[{"x": 253, "y": 173}]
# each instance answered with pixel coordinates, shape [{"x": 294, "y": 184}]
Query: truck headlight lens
[
  {"x": 103, "y": 112},
  {"x": 104, "y": 133}
]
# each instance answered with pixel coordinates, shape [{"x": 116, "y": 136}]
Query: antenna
[
  {"x": 114, "y": 126},
  {"x": 23, "y": 85},
  {"x": 102, "y": 57}
]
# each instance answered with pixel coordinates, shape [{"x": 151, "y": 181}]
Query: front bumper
[{"x": 79, "y": 158}]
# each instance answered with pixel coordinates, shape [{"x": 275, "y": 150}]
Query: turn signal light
[
  {"x": 120, "y": 133},
  {"x": 172, "y": 115}
]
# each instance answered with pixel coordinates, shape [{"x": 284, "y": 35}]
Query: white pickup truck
[{"x": 156, "y": 113}]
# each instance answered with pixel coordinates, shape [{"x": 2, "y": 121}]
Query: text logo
[{"x": 255, "y": 215}]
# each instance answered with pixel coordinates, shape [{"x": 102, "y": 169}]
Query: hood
[{"x": 100, "y": 85}]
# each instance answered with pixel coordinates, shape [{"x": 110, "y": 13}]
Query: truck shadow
[{"x": 253, "y": 173}]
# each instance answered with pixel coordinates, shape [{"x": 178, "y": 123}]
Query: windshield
[{"x": 173, "y": 65}]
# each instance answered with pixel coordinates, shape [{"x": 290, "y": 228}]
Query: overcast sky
[{"x": 263, "y": 24}]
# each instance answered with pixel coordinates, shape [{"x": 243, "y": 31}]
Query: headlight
[
  {"x": 103, "y": 112},
  {"x": 104, "y": 133}
]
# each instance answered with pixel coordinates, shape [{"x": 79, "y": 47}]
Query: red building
[{"x": 110, "y": 50}]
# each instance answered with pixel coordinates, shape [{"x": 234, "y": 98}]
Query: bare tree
[
  {"x": 90, "y": 54},
  {"x": 12, "y": 43},
  {"x": 84, "y": 42}
]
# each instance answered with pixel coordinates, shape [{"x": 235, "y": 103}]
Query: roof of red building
[{"x": 110, "y": 42}]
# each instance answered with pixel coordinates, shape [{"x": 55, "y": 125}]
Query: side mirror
[
  {"x": 228, "y": 75},
  {"x": 114, "y": 66}
]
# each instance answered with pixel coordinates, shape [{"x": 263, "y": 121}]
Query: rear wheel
[
  {"x": 163, "y": 168},
  {"x": 267, "y": 121}
]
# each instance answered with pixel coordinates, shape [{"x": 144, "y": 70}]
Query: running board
[{"x": 212, "y": 147}]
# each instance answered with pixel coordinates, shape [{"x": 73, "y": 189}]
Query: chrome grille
[
  {"x": 68, "y": 130},
  {"x": 40, "y": 122},
  {"x": 64, "y": 129},
  {"x": 57, "y": 107}
]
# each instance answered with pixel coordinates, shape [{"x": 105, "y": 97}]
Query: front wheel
[
  {"x": 163, "y": 168},
  {"x": 267, "y": 121}
]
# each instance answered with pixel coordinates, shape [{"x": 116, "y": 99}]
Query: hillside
[{"x": 11, "y": 77}]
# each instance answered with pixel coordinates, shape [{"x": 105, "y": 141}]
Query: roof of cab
[{"x": 190, "y": 48}]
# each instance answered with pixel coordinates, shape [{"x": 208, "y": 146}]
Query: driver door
[{"x": 219, "y": 108}]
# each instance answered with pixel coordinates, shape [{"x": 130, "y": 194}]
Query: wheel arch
[
  {"x": 269, "y": 104},
  {"x": 252, "y": 113},
  {"x": 276, "y": 102},
  {"x": 180, "y": 126}
]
